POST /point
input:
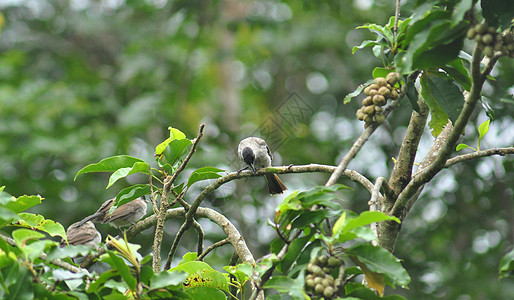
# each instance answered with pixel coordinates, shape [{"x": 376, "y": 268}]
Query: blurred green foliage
[{"x": 81, "y": 81}]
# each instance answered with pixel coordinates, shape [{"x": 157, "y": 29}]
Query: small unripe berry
[
  {"x": 328, "y": 292},
  {"x": 380, "y": 81},
  {"x": 471, "y": 33},
  {"x": 487, "y": 39}
]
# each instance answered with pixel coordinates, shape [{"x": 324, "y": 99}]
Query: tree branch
[
  {"x": 420, "y": 178},
  {"x": 58, "y": 262},
  {"x": 478, "y": 154},
  {"x": 168, "y": 184},
  {"x": 402, "y": 171}
]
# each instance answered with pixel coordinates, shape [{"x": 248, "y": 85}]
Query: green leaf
[
  {"x": 167, "y": 278},
  {"x": 97, "y": 285},
  {"x": 110, "y": 164},
  {"x": 507, "y": 265},
  {"x": 189, "y": 256},
  {"x": 364, "y": 233},
  {"x": 203, "y": 174},
  {"x": 497, "y": 12},
  {"x": 22, "y": 236},
  {"x": 175, "y": 150},
  {"x": 138, "y": 167},
  {"x": 483, "y": 129},
  {"x": 23, "y": 203},
  {"x": 447, "y": 95},
  {"x": 52, "y": 228},
  {"x": 463, "y": 146},
  {"x": 132, "y": 192},
  {"x": 458, "y": 72},
  {"x": 338, "y": 225},
  {"x": 307, "y": 218},
  {"x": 460, "y": 9},
  {"x": 412, "y": 95},
  {"x": 119, "y": 264},
  {"x": 175, "y": 134},
  {"x": 383, "y": 32},
  {"x": 282, "y": 284},
  {"x": 369, "y": 43},
  {"x": 380, "y": 72},
  {"x": 357, "y": 91},
  {"x": 431, "y": 42},
  {"x": 321, "y": 195},
  {"x": 295, "y": 249},
  {"x": 379, "y": 260},
  {"x": 201, "y": 274},
  {"x": 438, "y": 118},
  {"x": 30, "y": 220},
  {"x": 366, "y": 218},
  {"x": 204, "y": 292},
  {"x": 438, "y": 56},
  {"x": 68, "y": 251}
]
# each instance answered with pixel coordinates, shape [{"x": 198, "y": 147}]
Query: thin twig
[
  {"x": 358, "y": 144},
  {"x": 152, "y": 192},
  {"x": 58, "y": 262},
  {"x": 201, "y": 236},
  {"x": 374, "y": 204},
  {"x": 478, "y": 154},
  {"x": 212, "y": 247},
  {"x": 396, "y": 18}
]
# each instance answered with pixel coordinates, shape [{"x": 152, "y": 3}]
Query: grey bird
[
  {"x": 125, "y": 215},
  {"x": 83, "y": 234},
  {"x": 256, "y": 154}
]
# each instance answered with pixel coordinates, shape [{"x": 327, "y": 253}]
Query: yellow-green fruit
[
  {"x": 367, "y": 101},
  {"x": 366, "y": 90},
  {"x": 373, "y": 92},
  {"x": 471, "y": 33},
  {"x": 328, "y": 292},
  {"x": 491, "y": 29},
  {"x": 392, "y": 78},
  {"x": 325, "y": 282},
  {"x": 368, "y": 119},
  {"x": 489, "y": 51},
  {"x": 378, "y": 109},
  {"x": 360, "y": 115},
  {"x": 380, "y": 118},
  {"x": 319, "y": 288},
  {"x": 379, "y": 100},
  {"x": 394, "y": 94},
  {"x": 380, "y": 81},
  {"x": 334, "y": 262},
  {"x": 487, "y": 39},
  {"x": 310, "y": 283},
  {"x": 481, "y": 28},
  {"x": 322, "y": 259},
  {"x": 498, "y": 46},
  {"x": 369, "y": 109},
  {"x": 318, "y": 279},
  {"x": 384, "y": 91}
]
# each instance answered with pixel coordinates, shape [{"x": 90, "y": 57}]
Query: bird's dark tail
[{"x": 275, "y": 185}]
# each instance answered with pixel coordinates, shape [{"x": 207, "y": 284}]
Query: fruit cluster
[
  {"x": 319, "y": 278},
  {"x": 491, "y": 41},
  {"x": 377, "y": 95}
]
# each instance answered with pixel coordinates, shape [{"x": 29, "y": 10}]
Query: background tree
[{"x": 81, "y": 82}]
